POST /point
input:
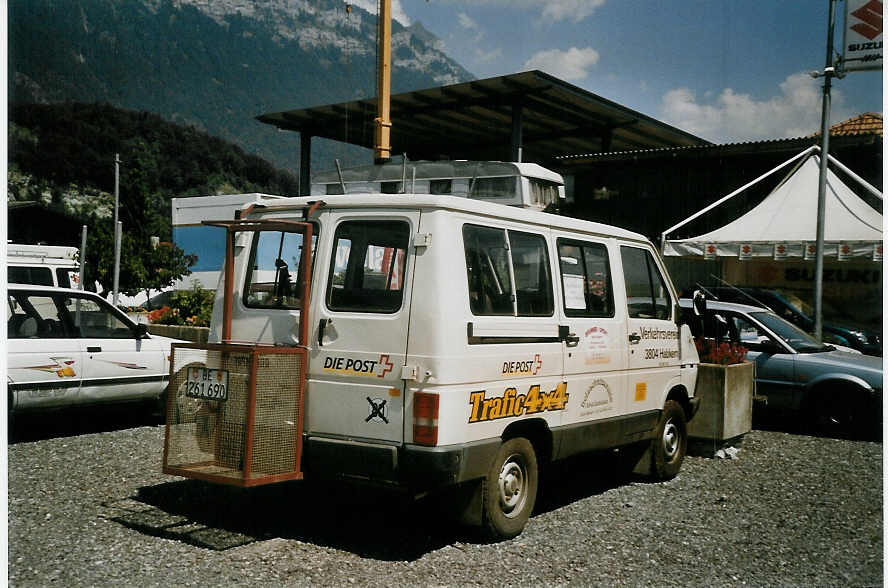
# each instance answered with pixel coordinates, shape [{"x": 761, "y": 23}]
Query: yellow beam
[{"x": 383, "y": 123}]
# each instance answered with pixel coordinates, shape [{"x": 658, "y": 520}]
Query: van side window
[
  {"x": 533, "y": 284},
  {"x": 42, "y": 276},
  {"x": 367, "y": 269},
  {"x": 487, "y": 264},
  {"x": 646, "y": 292},
  {"x": 508, "y": 272},
  {"x": 585, "y": 279},
  {"x": 63, "y": 275},
  {"x": 274, "y": 276}
]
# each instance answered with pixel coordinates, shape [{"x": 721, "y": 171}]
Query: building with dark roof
[
  {"x": 529, "y": 116},
  {"x": 620, "y": 167}
]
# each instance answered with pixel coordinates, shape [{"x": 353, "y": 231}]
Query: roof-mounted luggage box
[{"x": 525, "y": 185}]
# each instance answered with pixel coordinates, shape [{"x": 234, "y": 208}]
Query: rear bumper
[{"x": 411, "y": 466}]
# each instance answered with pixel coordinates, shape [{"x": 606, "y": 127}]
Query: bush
[
  {"x": 192, "y": 307},
  {"x": 165, "y": 316},
  {"x": 723, "y": 354}
]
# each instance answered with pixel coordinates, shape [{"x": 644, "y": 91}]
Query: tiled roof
[{"x": 868, "y": 123}]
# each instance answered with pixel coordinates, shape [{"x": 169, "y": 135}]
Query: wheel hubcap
[
  {"x": 512, "y": 485},
  {"x": 671, "y": 439}
]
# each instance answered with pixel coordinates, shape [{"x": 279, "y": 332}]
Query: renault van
[{"x": 432, "y": 340}]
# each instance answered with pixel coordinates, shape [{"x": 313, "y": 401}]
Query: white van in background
[{"x": 42, "y": 265}]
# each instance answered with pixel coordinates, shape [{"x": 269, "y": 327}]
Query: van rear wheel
[{"x": 510, "y": 489}]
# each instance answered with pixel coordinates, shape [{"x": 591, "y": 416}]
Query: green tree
[
  {"x": 143, "y": 268},
  {"x": 164, "y": 265}
]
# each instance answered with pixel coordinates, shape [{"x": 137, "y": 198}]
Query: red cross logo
[
  {"x": 386, "y": 365},
  {"x": 537, "y": 364}
]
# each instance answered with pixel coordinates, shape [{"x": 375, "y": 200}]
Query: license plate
[{"x": 207, "y": 384}]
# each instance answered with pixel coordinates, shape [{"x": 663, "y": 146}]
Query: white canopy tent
[{"x": 784, "y": 224}]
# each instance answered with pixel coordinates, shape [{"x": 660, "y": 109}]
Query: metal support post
[
  {"x": 116, "y": 228},
  {"x": 828, "y": 73},
  {"x": 82, "y": 258}
]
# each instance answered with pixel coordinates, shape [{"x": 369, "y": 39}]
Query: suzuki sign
[{"x": 862, "y": 47}]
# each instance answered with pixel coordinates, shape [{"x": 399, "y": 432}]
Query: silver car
[{"x": 837, "y": 391}]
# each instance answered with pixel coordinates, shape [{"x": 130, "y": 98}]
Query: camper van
[
  {"x": 432, "y": 341},
  {"x": 44, "y": 265}
]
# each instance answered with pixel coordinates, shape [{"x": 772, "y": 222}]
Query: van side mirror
[{"x": 140, "y": 330}]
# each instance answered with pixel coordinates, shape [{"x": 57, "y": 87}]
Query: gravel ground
[{"x": 793, "y": 510}]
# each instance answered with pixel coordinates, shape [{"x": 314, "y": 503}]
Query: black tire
[
  {"x": 510, "y": 489},
  {"x": 840, "y": 411},
  {"x": 671, "y": 443}
]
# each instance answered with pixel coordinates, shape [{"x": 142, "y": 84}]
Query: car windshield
[{"x": 789, "y": 333}]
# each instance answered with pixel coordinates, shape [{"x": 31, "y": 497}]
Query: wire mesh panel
[{"x": 234, "y": 413}]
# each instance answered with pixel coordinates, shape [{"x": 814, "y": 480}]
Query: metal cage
[{"x": 253, "y": 436}]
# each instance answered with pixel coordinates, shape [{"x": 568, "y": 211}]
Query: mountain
[
  {"x": 215, "y": 64},
  {"x": 62, "y": 155}
]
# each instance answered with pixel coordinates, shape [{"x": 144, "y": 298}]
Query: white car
[{"x": 70, "y": 347}]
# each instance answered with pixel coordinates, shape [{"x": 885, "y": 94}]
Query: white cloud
[
  {"x": 794, "y": 112},
  {"x": 570, "y": 65},
  {"x": 575, "y": 10},
  {"x": 465, "y": 21},
  {"x": 488, "y": 56},
  {"x": 398, "y": 13},
  {"x": 551, "y": 10}
]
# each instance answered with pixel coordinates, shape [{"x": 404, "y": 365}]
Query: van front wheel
[
  {"x": 510, "y": 489},
  {"x": 671, "y": 442}
]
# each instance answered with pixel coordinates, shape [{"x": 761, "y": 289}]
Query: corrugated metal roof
[
  {"x": 846, "y": 135},
  {"x": 474, "y": 120}
]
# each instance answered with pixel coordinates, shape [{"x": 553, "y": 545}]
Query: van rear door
[{"x": 360, "y": 314}]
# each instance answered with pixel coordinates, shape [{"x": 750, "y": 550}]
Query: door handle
[
  {"x": 570, "y": 339},
  {"x": 93, "y": 349},
  {"x": 634, "y": 338},
  {"x": 322, "y": 326}
]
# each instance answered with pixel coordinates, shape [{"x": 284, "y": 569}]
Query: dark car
[
  {"x": 837, "y": 391},
  {"x": 864, "y": 339}
]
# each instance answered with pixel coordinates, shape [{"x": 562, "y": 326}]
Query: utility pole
[
  {"x": 828, "y": 73},
  {"x": 83, "y": 258},
  {"x": 117, "y": 228}
]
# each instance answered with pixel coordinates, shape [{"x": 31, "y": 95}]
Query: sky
[{"x": 724, "y": 70}]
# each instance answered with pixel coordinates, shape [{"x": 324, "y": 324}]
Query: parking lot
[{"x": 91, "y": 507}]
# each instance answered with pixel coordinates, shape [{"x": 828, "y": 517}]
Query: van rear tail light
[{"x": 425, "y": 418}]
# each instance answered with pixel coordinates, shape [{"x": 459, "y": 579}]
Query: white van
[
  {"x": 430, "y": 341},
  {"x": 43, "y": 265}
]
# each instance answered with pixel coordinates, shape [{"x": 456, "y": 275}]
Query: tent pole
[
  {"x": 731, "y": 195},
  {"x": 828, "y": 72},
  {"x": 872, "y": 189}
]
